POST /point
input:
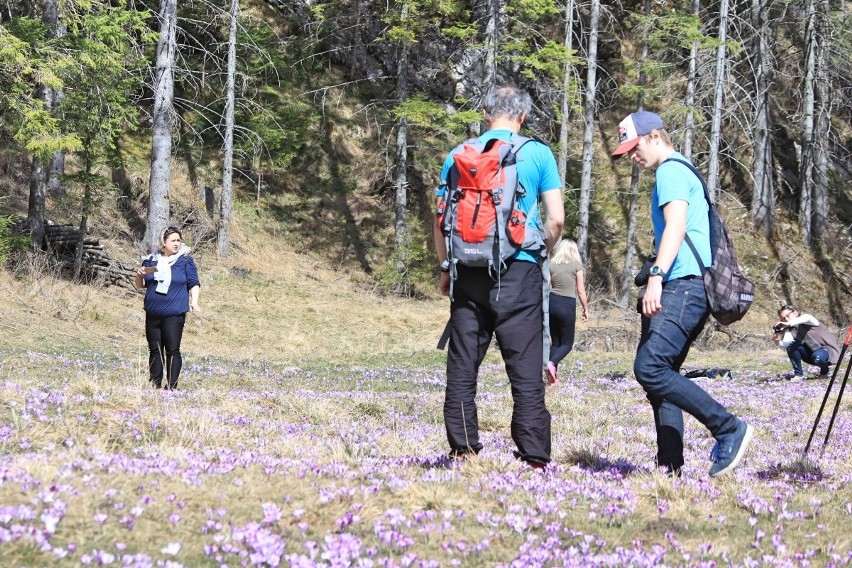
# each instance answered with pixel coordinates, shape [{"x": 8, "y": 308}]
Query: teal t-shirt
[
  {"x": 537, "y": 173},
  {"x": 677, "y": 182}
]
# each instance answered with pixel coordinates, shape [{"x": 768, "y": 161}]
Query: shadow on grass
[
  {"x": 446, "y": 461},
  {"x": 799, "y": 471},
  {"x": 591, "y": 460},
  {"x": 321, "y": 215},
  {"x": 470, "y": 459}
]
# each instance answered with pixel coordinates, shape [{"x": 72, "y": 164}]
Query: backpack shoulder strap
[
  {"x": 695, "y": 171},
  {"x": 695, "y": 254},
  {"x": 517, "y": 141},
  {"x": 689, "y": 243}
]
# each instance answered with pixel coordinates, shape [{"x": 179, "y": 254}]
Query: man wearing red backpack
[
  {"x": 503, "y": 297},
  {"x": 674, "y": 306}
]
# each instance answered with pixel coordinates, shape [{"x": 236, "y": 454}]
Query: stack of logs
[{"x": 62, "y": 241}]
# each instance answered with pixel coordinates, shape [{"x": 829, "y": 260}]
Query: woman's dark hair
[
  {"x": 171, "y": 230},
  {"x": 786, "y": 307}
]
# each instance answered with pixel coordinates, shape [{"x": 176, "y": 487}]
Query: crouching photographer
[{"x": 805, "y": 339}]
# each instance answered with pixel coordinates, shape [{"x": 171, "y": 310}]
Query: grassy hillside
[
  {"x": 308, "y": 427},
  {"x": 267, "y": 301},
  {"x": 301, "y": 285}
]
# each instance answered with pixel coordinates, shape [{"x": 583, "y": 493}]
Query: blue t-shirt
[
  {"x": 677, "y": 182},
  {"x": 176, "y": 301},
  {"x": 537, "y": 173}
]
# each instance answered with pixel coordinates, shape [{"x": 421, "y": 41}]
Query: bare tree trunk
[
  {"x": 52, "y": 98},
  {"x": 588, "y": 131},
  {"x": 39, "y": 173},
  {"x": 691, "y": 78},
  {"x": 492, "y": 39},
  {"x": 161, "y": 144},
  {"x": 401, "y": 206},
  {"x": 359, "y": 53},
  {"x": 57, "y": 170},
  {"x": 568, "y": 71},
  {"x": 35, "y": 211},
  {"x": 42, "y": 166},
  {"x": 84, "y": 221},
  {"x": 763, "y": 196},
  {"x": 808, "y": 105},
  {"x": 822, "y": 127},
  {"x": 626, "y": 285},
  {"x": 258, "y": 162},
  {"x": 223, "y": 239},
  {"x": 718, "y": 102},
  {"x": 401, "y": 184}
]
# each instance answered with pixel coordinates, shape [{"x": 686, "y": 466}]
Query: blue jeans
[
  {"x": 799, "y": 352},
  {"x": 663, "y": 347}
]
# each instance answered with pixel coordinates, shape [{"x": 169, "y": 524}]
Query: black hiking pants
[
  {"x": 164, "y": 335},
  {"x": 512, "y": 309},
  {"x": 563, "y": 321}
]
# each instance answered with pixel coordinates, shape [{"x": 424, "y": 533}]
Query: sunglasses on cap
[
  {"x": 785, "y": 308},
  {"x": 170, "y": 231}
]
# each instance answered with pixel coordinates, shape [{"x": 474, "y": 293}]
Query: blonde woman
[{"x": 567, "y": 285}]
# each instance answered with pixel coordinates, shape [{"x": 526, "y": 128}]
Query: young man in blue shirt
[
  {"x": 674, "y": 307},
  {"x": 510, "y": 307}
]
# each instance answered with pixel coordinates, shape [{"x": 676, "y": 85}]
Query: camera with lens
[{"x": 778, "y": 328}]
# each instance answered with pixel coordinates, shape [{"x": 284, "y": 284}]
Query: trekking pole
[
  {"x": 836, "y": 407},
  {"x": 828, "y": 391}
]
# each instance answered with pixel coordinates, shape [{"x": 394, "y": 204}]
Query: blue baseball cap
[{"x": 633, "y": 127}]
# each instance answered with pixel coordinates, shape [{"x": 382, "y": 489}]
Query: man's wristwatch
[
  {"x": 657, "y": 271},
  {"x": 445, "y": 266}
]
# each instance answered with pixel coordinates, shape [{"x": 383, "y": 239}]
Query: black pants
[
  {"x": 563, "y": 319},
  {"x": 512, "y": 309},
  {"x": 164, "y": 335}
]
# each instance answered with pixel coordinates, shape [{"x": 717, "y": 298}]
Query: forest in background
[{"x": 330, "y": 118}]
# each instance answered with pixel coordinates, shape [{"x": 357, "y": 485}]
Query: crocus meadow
[{"x": 256, "y": 463}]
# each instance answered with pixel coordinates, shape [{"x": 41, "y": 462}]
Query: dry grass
[
  {"x": 267, "y": 303},
  {"x": 292, "y": 308}
]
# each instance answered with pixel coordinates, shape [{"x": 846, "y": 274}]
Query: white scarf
[{"x": 163, "y": 276}]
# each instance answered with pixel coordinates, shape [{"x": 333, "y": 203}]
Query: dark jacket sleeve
[{"x": 191, "y": 274}]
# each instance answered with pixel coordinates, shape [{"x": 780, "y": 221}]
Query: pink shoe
[{"x": 550, "y": 372}]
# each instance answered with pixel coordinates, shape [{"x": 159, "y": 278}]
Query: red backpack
[{"x": 479, "y": 215}]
